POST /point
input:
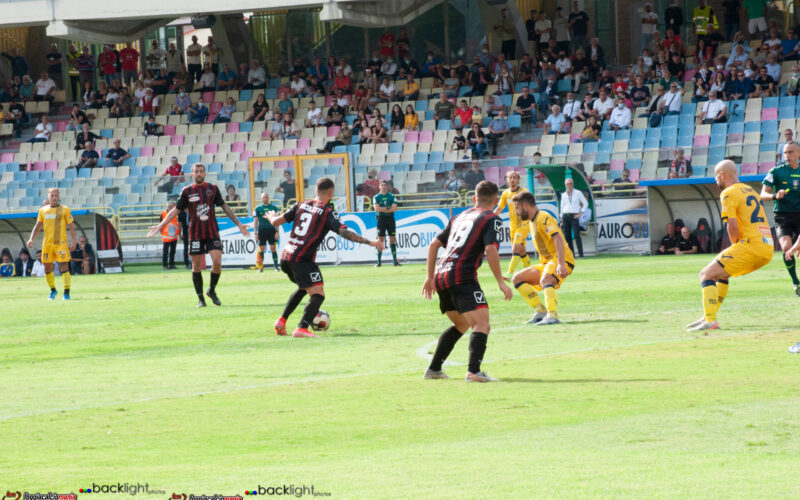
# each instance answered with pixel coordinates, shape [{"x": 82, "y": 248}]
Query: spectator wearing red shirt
[
  {"x": 130, "y": 64},
  {"x": 463, "y": 115},
  {"x": 173, "y": 174},
  {"x": 108, "y": 65},
  {"x": 671, "y": 38},
  {"x": 620, "y": 87},
  {"x": 386, "y": 41},
  {"x": 342, "y": 82}
]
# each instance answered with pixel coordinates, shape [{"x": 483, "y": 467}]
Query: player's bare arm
[
  {"x": 232, "y": 216},
  {"x": 157, "y": 228},
  {"x": 34, "y": 233},
  {"x": 767, "y": 194},
  {"x": 561, "y": 268},
  {"x": 493, "y": 258},
  {"x": 733, "y": 230},
  {"x": 392, "y": 209},
  {"x": 350, "y": 235},
  {"x": 428, "y": 288},
  {"x": 276, "y": 220}
]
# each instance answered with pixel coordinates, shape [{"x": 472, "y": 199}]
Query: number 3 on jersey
[{"x": 302, "y": 224}]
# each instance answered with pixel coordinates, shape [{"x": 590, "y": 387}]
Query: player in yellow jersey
[
  {"x": 556, "y": 261},
  {"x": 55, "y": 218},
  {"x": 751, "y": 242},
  {"x": 519, "y": 229}
]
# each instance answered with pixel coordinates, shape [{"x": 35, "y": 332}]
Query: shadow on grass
[
  {"x": 604, "y": 320},
  {"x": 585, "y": 380}
]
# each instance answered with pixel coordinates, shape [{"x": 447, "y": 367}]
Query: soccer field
[{"x": 129, "y": 383}]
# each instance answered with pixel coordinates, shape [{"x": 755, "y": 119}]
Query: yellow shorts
[
  {"x": 55, "y": 253},
  {"x": 550, "y": 268},
  {"x": 743, "y": 258},
  {"x": 520, "y": 232}
]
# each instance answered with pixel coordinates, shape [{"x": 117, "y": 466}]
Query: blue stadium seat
[
  {"x": 769, "y": 125},
  {"x": 607, "y": 136},
  {"x": 718, "y": 139},
  {"x": 688, "y": 108},
  {"x": 429, "y": 114},
  {"x": 719, "y": 128},
  {"x": 106, "y": 182},
  {"x": 274, "y": 83},
  {"x": 333, "y": 169},
  {"x": 604, "y": 147},
  {"x": 634, "y": 144},
  {"x": 403, "y": 167},
  {"x": 652, "y": 143},
  {"x": 246, "y": 95},
  {"x": 396, "y": 148},
  {"x": 246, "y": 127},
  {"x": 633, "y": 164},
  {"x": 360, "y": 170},
  {"x": 506, "y": 98},
  {"x": 420, "y": 105},
  {"x": 670, "y": 121},
  {"x": 518, "y": 87},
  {"x": 514, "y": 162},
  {"x": 752, "y": 127},
  {"x": 419, "y": 167},
  {"x": 564, "y": 85},
  {"x": 134, "y": 152},
  {"x": 340, "y": 149},
  {"x": 420, "y": 157},
  {"x": 186, "y": 168},
  {"x": 271, "y": 94},
  {"x": 264, "y": 175},
  {"x": 770, "y": 102},
  {"x": 108, "y": 133},
  {"x": 784, "y": 113},
  {"x": 70, "y": 173},
  {"x": 603, "y": 158},
  {"x": 590, "y": 147},
  {"x": 194, "y": 158},
  {"x": 462, "y": 91},
  {"x": 788, "y": 101},
  {"x": 84, "y": 173},
  {"x": 33, "y": 176},
  {"x": 669, "y": 141},
  {"x": 66, "y": 182},
  {"x": 354, "y": 141},
  {"x": 45, "y": 175},
  {"x": 623, "y": 135},
  {"x": 638, "y": 133},
  {"x": 149, "y": 171},
  {"x": 445, "y": 124},
  {"x": 436, "y": 157},
  {"x": 669, "y": 132},
  {"x": 716, "y": 155},
  {"x": 136, "y": 171},
  {"x": 354, "y": 149},
  {"x": 214, "y": 167}
]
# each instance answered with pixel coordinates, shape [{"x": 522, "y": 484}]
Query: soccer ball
[{"x": 321, "y": 321}]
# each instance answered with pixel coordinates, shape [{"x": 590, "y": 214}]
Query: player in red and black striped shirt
[
  {"x": 465, "y": 239},
  {"x": 311, "y": 220},
  {"x": 200, "y": 199}
]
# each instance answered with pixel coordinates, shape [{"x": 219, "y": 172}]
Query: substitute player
[
  {"x": 556, "y": 261},
  {"x": 55, "y": 218},
  {"x": 465, "y": 238},
  {"x": 519, "y": 230},
  {"x": 200, "y": 198},
  {"x": 751, "y": 242},
  {"x": 386, "y": 205},
  {"x": 311, "y": 220},
  {"x": 267, "y": 233},
  {"x": 785, "y": 178}
]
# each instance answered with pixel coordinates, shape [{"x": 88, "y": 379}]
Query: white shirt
[
  {"x": 571, "y": 109},
  {"x": 43, "y": 131},
  {"x": 573, "y": 203},
  {"x": 44, "y": 86},
  {"x": 602, "y": 107},
  {"x": 155, "y": 101},
  {"x": 38, "y": 269},
  {"x": 208, "y": 80},
  {"x": 774, "y": 70},
  {"x": 543, "y": 25},
  {"x": 315, "y": 116},
  {"x": 563, "y": 65},
  {"x": 388, "y": 69},
  {"x": 112, "y": 96},
  {"x": 299, "y": 85},
  {"x": 174, "y": 61},
  {"x": 712, "y": 109},
  {"x": 346, "y": 69},
  {"x": 620, "y": 117},
  {"x": 196, "y": 48},
  {"x": 647, "y": 28},
  {"x": 388, "y": 89},
  {"x": 672, "y": 101},
  {"x": 257, "y": 76}
]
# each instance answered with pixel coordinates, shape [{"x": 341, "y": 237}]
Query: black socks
[
  {"x": 447, "y": 341},
  {"x": 311, "y": 310},
  {"x": 477, "y": 348}
]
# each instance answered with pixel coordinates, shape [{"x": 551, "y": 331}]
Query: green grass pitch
[{"x": 129, "y": 382}]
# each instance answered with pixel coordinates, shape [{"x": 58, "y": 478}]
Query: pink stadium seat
[
  {"x": 51, "y": 165},
  {"x": 336, "y": 161},
  {"x": 287, "y": 152},
  {"x": 634, "y": 177},
  {"x": 425, "y": 136},
  {"x": 735, "y": 138},
  {"x": 765, "y": 166},
  {"x": 6, "y": 157},
  {"x": 329, "y": 101},
  {"x": 237, "y": 147},
  {"x": 504, "y": 171},
  {"x": 211, "y": 117},
  {"x": 749, "y": 168},
  {"x": 769, "y": 114},
  {"x": 493, "y": 175},
  {"x": 617, "y": 164},
  {"x": 412, "y": 137},
  {"x": 300, "y": 151},
  {"x": 37, "y": 166},
  {"x": 245, "y": 155},
  {"x": 208, "y": 97},
  {"x": 214, "y": 108},
  {"x": 384, "y": 175},
  {"x": 689, "y": 74},
  {"x": 333, "y": 130},
  {"x": 574, "y": 136},
  {"x": 177, "y": 140},
  {"x": 211, "y": 148},
  {"x": 146, "y": 151},
  {"x": 281, "y": 164},
  {"x": 169, "y": 129},
  {"x": 233, "y": 127},
  {"x": 265, "y": 134},
  {"x": 61, "y": 126},
  {"x": 304, "y": 143},
  {"x": 702, "y": 140}
]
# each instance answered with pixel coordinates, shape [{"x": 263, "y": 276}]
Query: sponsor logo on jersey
[
  {"x": 315, "y": 277},
  {"x": 194, "y": 198},
  {"x": 202, "y": 211}
]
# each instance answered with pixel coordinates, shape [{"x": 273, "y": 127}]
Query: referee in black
[{"x": 782, "y": 185}]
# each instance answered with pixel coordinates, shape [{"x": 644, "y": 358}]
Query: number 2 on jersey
[{"x": 755, "y": 217}]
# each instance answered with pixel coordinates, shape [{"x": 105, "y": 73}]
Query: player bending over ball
[
  {"x": 465, "y": 238},
  {"x": 751, "y": 242},
  {"x": 311, "y": 220},
  {"x": 267, "y": 233},
  {"x": 55, "y": 218},
  {"x": 200, "y": 198},
  {"x": 556, "y": 261},
  {"x": 519, "y": 229}
]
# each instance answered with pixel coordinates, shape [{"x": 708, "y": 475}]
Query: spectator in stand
[
  {"x": 579, "y": 26},
  {"x": 526, "y": 106},
  {"x": 738, "y": 57},
  {"x": 16, "y": 116},
  {"x": 673, "y": 17},
  {"x": 387, "y": 91},
  {"x": 336, "y": 114},
  {"x": 197, "y": 113},
  {"x": 452, "y": 184},
  {"x": 19, "y": 66},
  {"x": 287, "y": 187},
  {"x": 793, "y": 85},
  {"x": 7, "y": 269},
  {"x": 397, "y": 120},
  {"x": 86, "y": 66},
  {"x": 619, "y": 86},
  {"x": 82, "y": 258},
  {"x": 53, "y": 62},
  {"x": 459, "y": 144},
  {"x": 342, "y": 81},
  {"x": 597, "y": 58},
  {"x": 257, "y": 76},
  {"x": 602, "y": 106},
  {"x": 591, "y": 131},
  {"x": 157, "y": 60},
  {"x": 174, "y": 64},
  {"x": 285, "y": 106},
  {"x": 315, "y": 88},
  {"x": 687, "y": 242},
  {"x": 227, "y": 78},
  {"x": 130, "y": 64},
  {"x": 194, "y": 60},
  {"x": 742, "y": 86},
  {"x": 620, "y": 117},
  {"x": 389, "y": 68},
  {"x": 587, "y": 108},
  {"x": 117, "y": 155},
  {"x": 494, "y": 105},
  {"x": 387, "y": 43},
  {"x": 88, "y": 158},
  {"x": 403, "y": 44},
  {"x": 38, "y": 267},
  {"x": 74, "y": 75},
  {"x": 208, "y": 81},
  {"x": 171, "y": 176},
  {"x": 182, "y": 103},
  {"x": 318, "y": 69},
  {"x": 571, "y": 107},
  {"x": 701, "y": 89},
  {"x": 555, "y": 123},
  {"x": 756, "y": 18},
  {"x": 543, "y": 29},
  {"x": 527, "y": 69},
  {"x": 43, "y": 130},
  {"x": 76, "y": 119},
  {"x": 231, "y": 194},
  {"x": 473, "y": 176},
  {"x": 212, "y": 54},
  {"x": 26, "y": 89},
  {"x": 477, "y": 141},
  {"x": 676, "y": 66},
  {"x": 285, "y": 129},
  {"x": 153, "y": 128},
  {"x": 260, "y": 110},
  {"x": 764, "y": 84},
  {"x": 242, "y": 77},
  {"x": 533, "y": 37},
  {"x": 498, "y": 128},
  {"x": 148, "y": 104},
  {"x": 773, "y": 67},
  {"x": 226, "y": 111},
  {"x": 649, "y": 22},
  {"x": 343, "y": 138},
  {"x": 463, "y": 115},
  {"x": 668, "y": 242},
  {"x": 640, "y": 93},
  {"x": 314, "y": 116},
  {"x": 45, "y": 88},
  {"x": 410, "y": 89},
  {"x": 669, "y": 104},
  {"x": 379, "y": 134},
  {"x": 480, "y": 82},
  {"x": 108, "y": 65},
  {"x": 476, "y": 115},
  {"x": 23, "y": 266},
  {"x": 85, "y": 136},
  {"x": 443, "y": 110},
  {"x": 714, "y": 111},
  {"x": 408, "y": 66},
  {"x": 788, "y": 137},
  {"x": 573, "y": 206},
  {"x": 561, "y": 28},
  {"x": 504, "y": 29},
  {"x": 681, "y": 166}
]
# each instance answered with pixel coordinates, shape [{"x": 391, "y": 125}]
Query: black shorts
[
  {"x": 787, "y": 224},
  {"x": 200, "y": 247},
  {"x": 268, "y": 235},
  {"x": 386, "y": 225},
  {"x": 305, "y": 274},
  {"x": 462, "y": 298}
]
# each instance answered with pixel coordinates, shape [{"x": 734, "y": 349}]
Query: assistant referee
[{"x": 782, "y": 185}]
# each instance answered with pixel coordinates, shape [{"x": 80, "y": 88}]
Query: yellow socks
[
  {"x": 67, "y": 280},
  {"x": 51, "y": 280},
  {"x": 710, "y": 300},
  {"x": 530, "y": 296},
  {"x": 513, "y": 264},
  {"x": 526, "y": 261},
  {"x": 722, "y": 292},
  {"x": 551, "y": 300}
]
